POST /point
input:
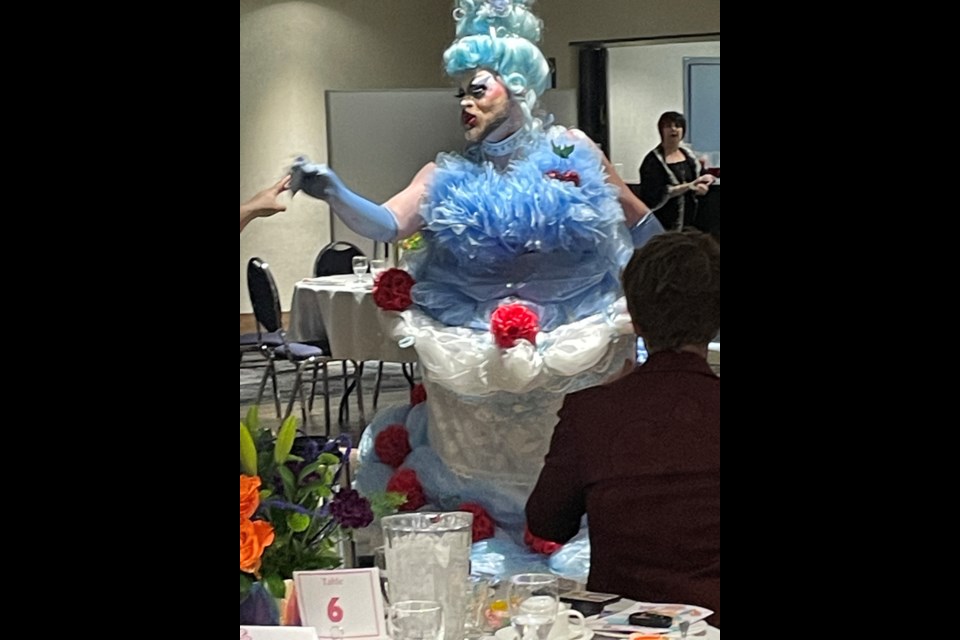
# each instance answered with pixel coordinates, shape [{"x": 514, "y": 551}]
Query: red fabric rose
[
  {"x": 418, "y": 394},
  {"x": 392, "y": 445},
  {"x": 391, "y": 289},
  {"x": 405, "y": 481},
  {"x": 482, "y": 522},
  {"x": 538, "y": 544},
  {"x": 565, "y": 176},
  {"x": 512, "y": 322}
]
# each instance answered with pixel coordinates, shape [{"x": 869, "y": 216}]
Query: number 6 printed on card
[
  {"x": 344, "y": 603},
  {"x": 334, "y": 612}
]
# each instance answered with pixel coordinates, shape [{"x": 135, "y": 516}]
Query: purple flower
[
  {"x": 350, "y": 509},
  {"x": 307, "y": 447}
]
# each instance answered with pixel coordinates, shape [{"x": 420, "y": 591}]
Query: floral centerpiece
[{"x": 294, "y": 510}]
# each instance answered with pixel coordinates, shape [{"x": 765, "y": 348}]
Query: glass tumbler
[{"x": 416, "y": 620}]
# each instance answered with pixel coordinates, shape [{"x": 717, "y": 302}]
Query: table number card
[
  {"x": 345, "y": 603},
  {"x": 248, "y": 632}
]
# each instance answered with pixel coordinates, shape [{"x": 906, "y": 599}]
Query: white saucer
[{"x": 507, "y": 633}]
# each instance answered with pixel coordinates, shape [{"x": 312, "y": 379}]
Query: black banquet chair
[
  {"x": 261, "y": 343},
  {"x": 266, "y": 309},
  {"x": 335, "y": 259}
]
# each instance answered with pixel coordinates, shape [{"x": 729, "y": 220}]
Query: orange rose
[
  {"x": 249, "y": 495},
  {"x": 255, "y": 536}
]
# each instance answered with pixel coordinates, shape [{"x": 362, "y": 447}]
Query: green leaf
[
  {"x": 248, "y": 451},
  {"x": 275, "y": 586},
  {"x": 298, "y": 521},
  {"x": 252, "y": 419},
  {"x": 289, "y": 482},
  {"x": 386, "y": 503},
  {"x": 245, "y": 584},
  {"x": 328, "y": 459},
  {"x": 563, "y": 152},
  {"x": 310, "y": 468},
  {"x": 288, "y": 431},
  {"x": 320, "y": 487}
]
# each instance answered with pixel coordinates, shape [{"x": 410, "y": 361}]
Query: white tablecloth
[{"x": 343, "y": 311}]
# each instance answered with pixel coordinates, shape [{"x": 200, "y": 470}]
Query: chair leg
[
  {"x": 408, "y": 375},
  {"x": 376, "y": 385},
  {"x": 293, "y": 392},
  {"x": 346, "y": 392},
  {"x": 326, "y": 401},
  {"x": 263, "y": 380},
  {"x": 303, "y": 407},
  {"x": 313, "y": 385},
  {"x": 276, "y": 390},
  {"x": 363, "y": 417}
]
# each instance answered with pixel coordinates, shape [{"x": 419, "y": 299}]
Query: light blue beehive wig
[{"x": 501, "y": 35}]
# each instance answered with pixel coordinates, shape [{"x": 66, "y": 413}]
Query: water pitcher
[{"x": 428, "y": 558}]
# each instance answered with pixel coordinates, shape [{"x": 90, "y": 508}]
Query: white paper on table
[
  {"x": 340, "y": 280},
  {"x": 617, "y": 622},
  {"x": 252, "y": 632}
]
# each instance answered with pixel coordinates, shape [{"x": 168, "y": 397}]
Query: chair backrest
[
  {"x": 335, "y": 259},
  {"x": 264, "y": 295}
]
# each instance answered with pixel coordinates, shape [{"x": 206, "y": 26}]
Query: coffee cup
[{"x": 563, "y": 628}]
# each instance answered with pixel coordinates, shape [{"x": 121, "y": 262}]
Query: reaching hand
[
  {"x": 313, "y": 179},
  {"x": 264, "y": 203},
  {"x": 374, "y": 221}
]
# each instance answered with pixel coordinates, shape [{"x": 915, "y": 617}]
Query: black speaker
[{"x": 592, "y": 96}]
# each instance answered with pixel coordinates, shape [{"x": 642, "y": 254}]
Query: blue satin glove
[
  {"x": 374, "y": 221},
  {"x": 648, "y": 227}
]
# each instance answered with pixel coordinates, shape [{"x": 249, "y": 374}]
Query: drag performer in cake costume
[{"x": 528, "y": 228}]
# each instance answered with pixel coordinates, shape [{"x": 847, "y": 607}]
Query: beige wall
[
  {"x": 291, "y": 52},
  {"x": 567, "y": 21}
]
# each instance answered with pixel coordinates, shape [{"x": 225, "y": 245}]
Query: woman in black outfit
[{"x": 670, "y": 176}]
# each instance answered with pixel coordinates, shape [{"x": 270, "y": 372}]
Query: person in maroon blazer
[{"x": 641, "y": 455}]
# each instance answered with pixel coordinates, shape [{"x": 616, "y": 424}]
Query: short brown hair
[
  {"x": 672, "y": 117},
  {"x": 672, "y": 286}
]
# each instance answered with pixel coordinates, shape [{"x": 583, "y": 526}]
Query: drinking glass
[
  {"x": 377, "y": 267},
  {"x": 416, "y": 620},
  {"x": 533, "y": 599},
  {"x": 360, "y": 264},
  {"x": 478, "y": 595}
]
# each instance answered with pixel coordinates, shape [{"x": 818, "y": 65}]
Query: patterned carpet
[{"x": 394, "y": 389}]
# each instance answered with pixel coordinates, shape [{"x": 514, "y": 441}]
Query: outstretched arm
[
  {"x": 264, "y": 203},
  {"x": 406, "y": 204},
  {"x": 398, "y": 218},
  {"x": 634, "y": 209}
]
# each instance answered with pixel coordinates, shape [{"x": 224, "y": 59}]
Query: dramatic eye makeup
[{"x": 478, "y": 87}]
